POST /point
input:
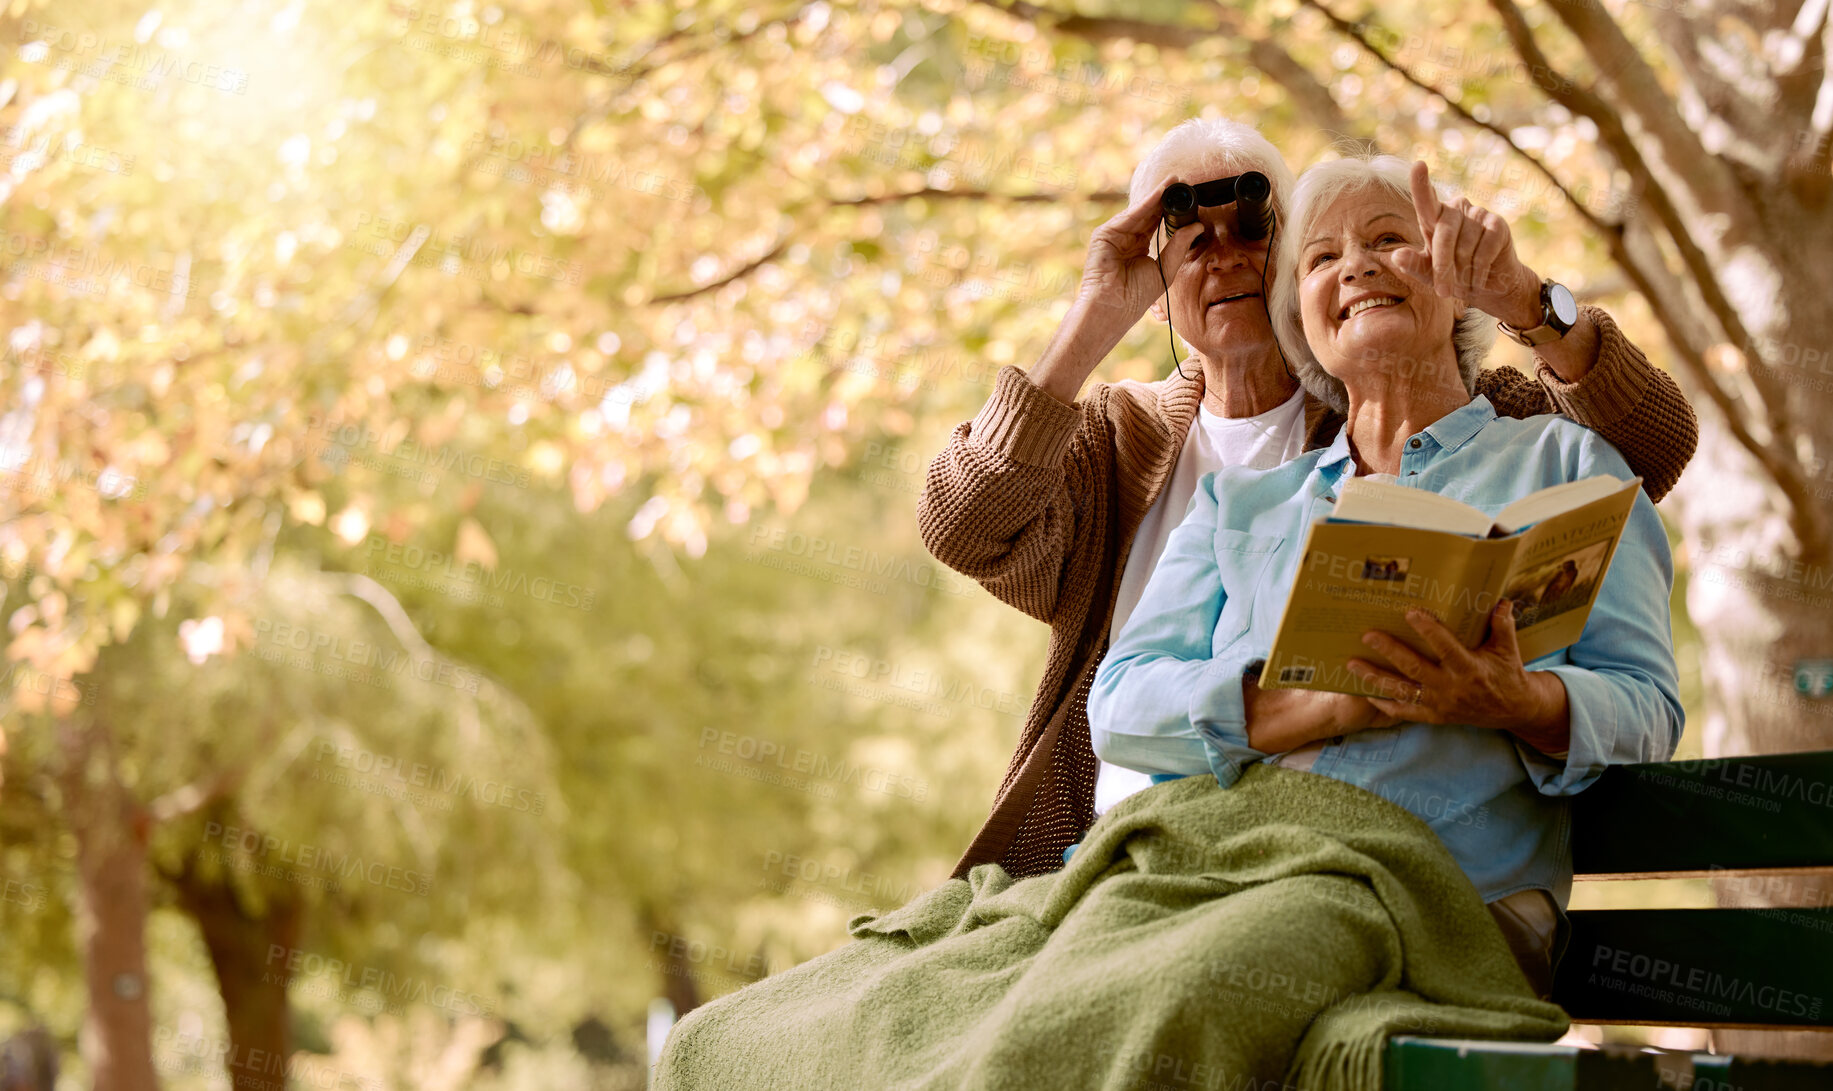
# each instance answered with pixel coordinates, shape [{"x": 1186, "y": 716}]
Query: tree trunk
[
  {"x": 111, "y": 862},
  {"x": 1762, "y": 604},
  {"x": 250, "y": 976}
]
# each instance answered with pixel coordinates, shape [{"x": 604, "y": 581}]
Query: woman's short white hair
[
  {"x": 1203, "y": 148},
  {"x": 1317, "y": 189}
]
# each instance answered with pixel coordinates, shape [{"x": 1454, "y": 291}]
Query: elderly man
[
  {"x": 1061, "y": 506},
  {"x": 1273, "y": 933}
]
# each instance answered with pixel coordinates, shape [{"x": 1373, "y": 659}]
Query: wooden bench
[{"x": 1743, "y": 968}]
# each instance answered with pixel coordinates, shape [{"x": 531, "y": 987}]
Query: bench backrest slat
[
  {"x": 1772, "y": 811},
  {"x": 1699, "y": 967}
]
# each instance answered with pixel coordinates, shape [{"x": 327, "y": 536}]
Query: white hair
[
  {"x": 1318, "y": 188},
  {"x": 1204, "y": 148}
]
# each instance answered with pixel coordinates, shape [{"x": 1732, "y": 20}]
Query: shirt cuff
[
  {"x": 1614, "y": 386},
  {"x": 1219, "y": 712},
  {"x": 1591, "y": 709},
  {"x": 1025, "y": 424}
]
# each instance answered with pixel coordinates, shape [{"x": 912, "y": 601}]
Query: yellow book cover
[{"x": 1388, "y": 548}]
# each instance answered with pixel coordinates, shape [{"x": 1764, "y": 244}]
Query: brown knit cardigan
[{"x": 1039, "y": 501}]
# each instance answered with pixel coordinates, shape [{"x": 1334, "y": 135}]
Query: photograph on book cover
[
  {"x": 1561, "y": 584},
  {"x": 1391, "y": 569}
]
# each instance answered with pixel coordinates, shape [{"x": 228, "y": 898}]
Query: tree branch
[
  {"x": 357, "y": 585},
  {"x": 1354, "y": 32},
  {"x": 1710, "y": 88},
  {"x": 1310, "y": 95},
  {"x": 742, "y": 271},
  {"x": 927, "y": 193},
  {"x": 1695, "y": 170}
]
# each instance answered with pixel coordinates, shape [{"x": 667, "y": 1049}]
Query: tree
[
  {"x": 303, "y": 284},
  {"x": 1688, "y": 143}
]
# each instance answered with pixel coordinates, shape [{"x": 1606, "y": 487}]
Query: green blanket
[{"x": 1268, "y": 936}]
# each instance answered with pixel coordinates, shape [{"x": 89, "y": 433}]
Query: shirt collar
[
  {"x": 1459, "y": 426},
  {"x": 1450, "y": 432}
]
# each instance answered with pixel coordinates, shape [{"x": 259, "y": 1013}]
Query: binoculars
[{"x": 1251, "y": 194}]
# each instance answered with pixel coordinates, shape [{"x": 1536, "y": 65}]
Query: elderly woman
[
  {"x": 1374, "y": 305},
  {"x": 1267, "y": 927}
]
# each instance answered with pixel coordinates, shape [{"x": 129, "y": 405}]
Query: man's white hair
[
  {"x": 1205, "y": 148},
  {"x": 1318, "y": 188}
]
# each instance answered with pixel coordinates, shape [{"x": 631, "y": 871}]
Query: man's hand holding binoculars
[{"x": 1120, "y": 280}]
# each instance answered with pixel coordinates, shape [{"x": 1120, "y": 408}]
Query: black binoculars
[{"x": 1251, "y": 194}]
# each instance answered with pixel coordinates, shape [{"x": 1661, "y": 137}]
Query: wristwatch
[{"x": 1558, "y": 314}]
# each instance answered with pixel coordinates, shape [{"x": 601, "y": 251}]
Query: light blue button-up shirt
[{"x": 1167, "y": 698}]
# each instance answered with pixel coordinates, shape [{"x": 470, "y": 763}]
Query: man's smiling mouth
[
  {"x": 1368, "y": 304},
  {"x": 1235, "y": 297}
]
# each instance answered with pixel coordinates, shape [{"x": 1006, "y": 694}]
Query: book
[{"x": 1387, "y": 548}]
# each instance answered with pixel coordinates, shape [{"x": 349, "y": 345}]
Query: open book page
[
  {"x": 1362, "y": 501},
  {"x": 1554, "y": 500},
  {"x": 1356, "y": 577},
  {"x": 1556, "y": 572}
]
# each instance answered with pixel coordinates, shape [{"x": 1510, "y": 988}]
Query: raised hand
[
  {"x": 1469, "y": 254},
  {"x": 1121, "y": 277}
]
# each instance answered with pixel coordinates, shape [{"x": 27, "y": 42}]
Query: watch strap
[{"x": 1550, "y": 329}]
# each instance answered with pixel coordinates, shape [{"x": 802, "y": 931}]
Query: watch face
[{"x": 1565, "y": 308}]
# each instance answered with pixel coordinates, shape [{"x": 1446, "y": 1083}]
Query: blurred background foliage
[{"x": 565, "y": 374}]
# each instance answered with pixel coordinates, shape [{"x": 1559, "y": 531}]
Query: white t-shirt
[{"x": 1215, "y": 441}]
